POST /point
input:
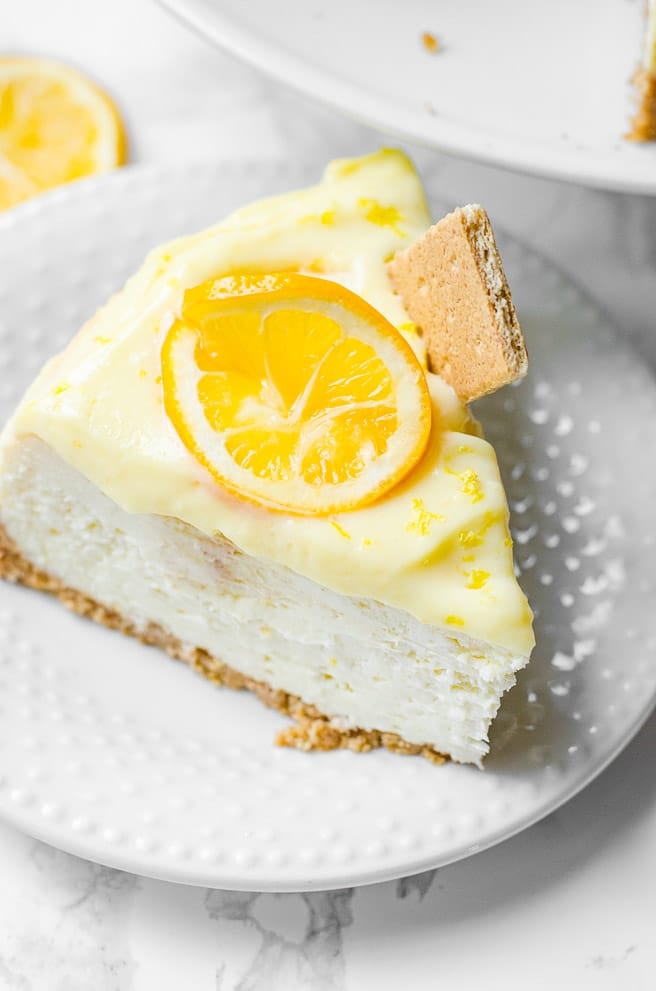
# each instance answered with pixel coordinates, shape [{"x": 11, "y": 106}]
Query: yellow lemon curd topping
[{"x": 436, "y": 545}]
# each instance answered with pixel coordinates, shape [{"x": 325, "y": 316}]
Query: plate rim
[
  {"x": 587, "y": 167},
  {"x": 93, "y": 848},
  {"x": 179, "y": 875}
]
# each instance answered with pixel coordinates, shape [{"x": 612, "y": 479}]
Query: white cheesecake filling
[{"x": 361, "y": 662}]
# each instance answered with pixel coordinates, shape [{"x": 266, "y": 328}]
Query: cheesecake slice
[
  {"x": 643, "y": 126},
  {"x": 392, "y": 620}
]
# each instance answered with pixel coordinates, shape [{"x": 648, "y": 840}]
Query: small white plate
[
  {"x": 111, "y": 751},
  {"x": 537, "y": 87}
]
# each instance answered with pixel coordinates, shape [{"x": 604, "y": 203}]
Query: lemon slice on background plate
[
  {"x": 55, "y": 126},
  {"x": 293, "y": 392}
]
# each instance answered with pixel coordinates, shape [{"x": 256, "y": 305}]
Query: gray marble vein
[
  {"x": 76, "y": 919},
  {"x": 416, "y": 883},
  {"x": 298, "y": 938}
]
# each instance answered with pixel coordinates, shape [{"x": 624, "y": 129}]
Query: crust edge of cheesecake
[
  {"x": 643, "y": 124},
  {"x": 311, "y": 729}
]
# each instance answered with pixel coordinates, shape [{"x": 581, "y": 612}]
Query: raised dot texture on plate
[{"x": 147, "y": 767}]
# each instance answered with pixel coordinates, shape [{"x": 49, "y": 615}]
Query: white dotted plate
[{"x": 110, "y": 750}]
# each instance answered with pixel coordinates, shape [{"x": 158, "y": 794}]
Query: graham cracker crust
[
  {"x": 643, "y": 125},
  {"x": 311, "y": 729}
]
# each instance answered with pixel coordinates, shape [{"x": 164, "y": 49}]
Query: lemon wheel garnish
[
  {"x": 55, "y": 126},
  {"x": 293, "y": 392}
]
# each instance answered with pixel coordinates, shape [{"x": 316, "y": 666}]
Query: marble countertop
[{"x": 570, "y": 902}]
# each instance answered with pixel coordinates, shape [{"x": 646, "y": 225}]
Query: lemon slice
[
  {"x": 55, "y": 126},
  {"x": 294, "y": 392}
]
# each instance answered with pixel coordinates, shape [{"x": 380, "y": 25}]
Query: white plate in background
[{"x": 543, "y": 88}]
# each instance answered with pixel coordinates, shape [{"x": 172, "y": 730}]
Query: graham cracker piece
[{"x": 454, "y": 288}]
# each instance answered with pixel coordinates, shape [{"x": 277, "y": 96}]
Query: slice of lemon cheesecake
[{"x": 243, "y": 459}]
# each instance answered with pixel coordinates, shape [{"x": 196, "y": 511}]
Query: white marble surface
[{"x": 570, "y": 902}]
